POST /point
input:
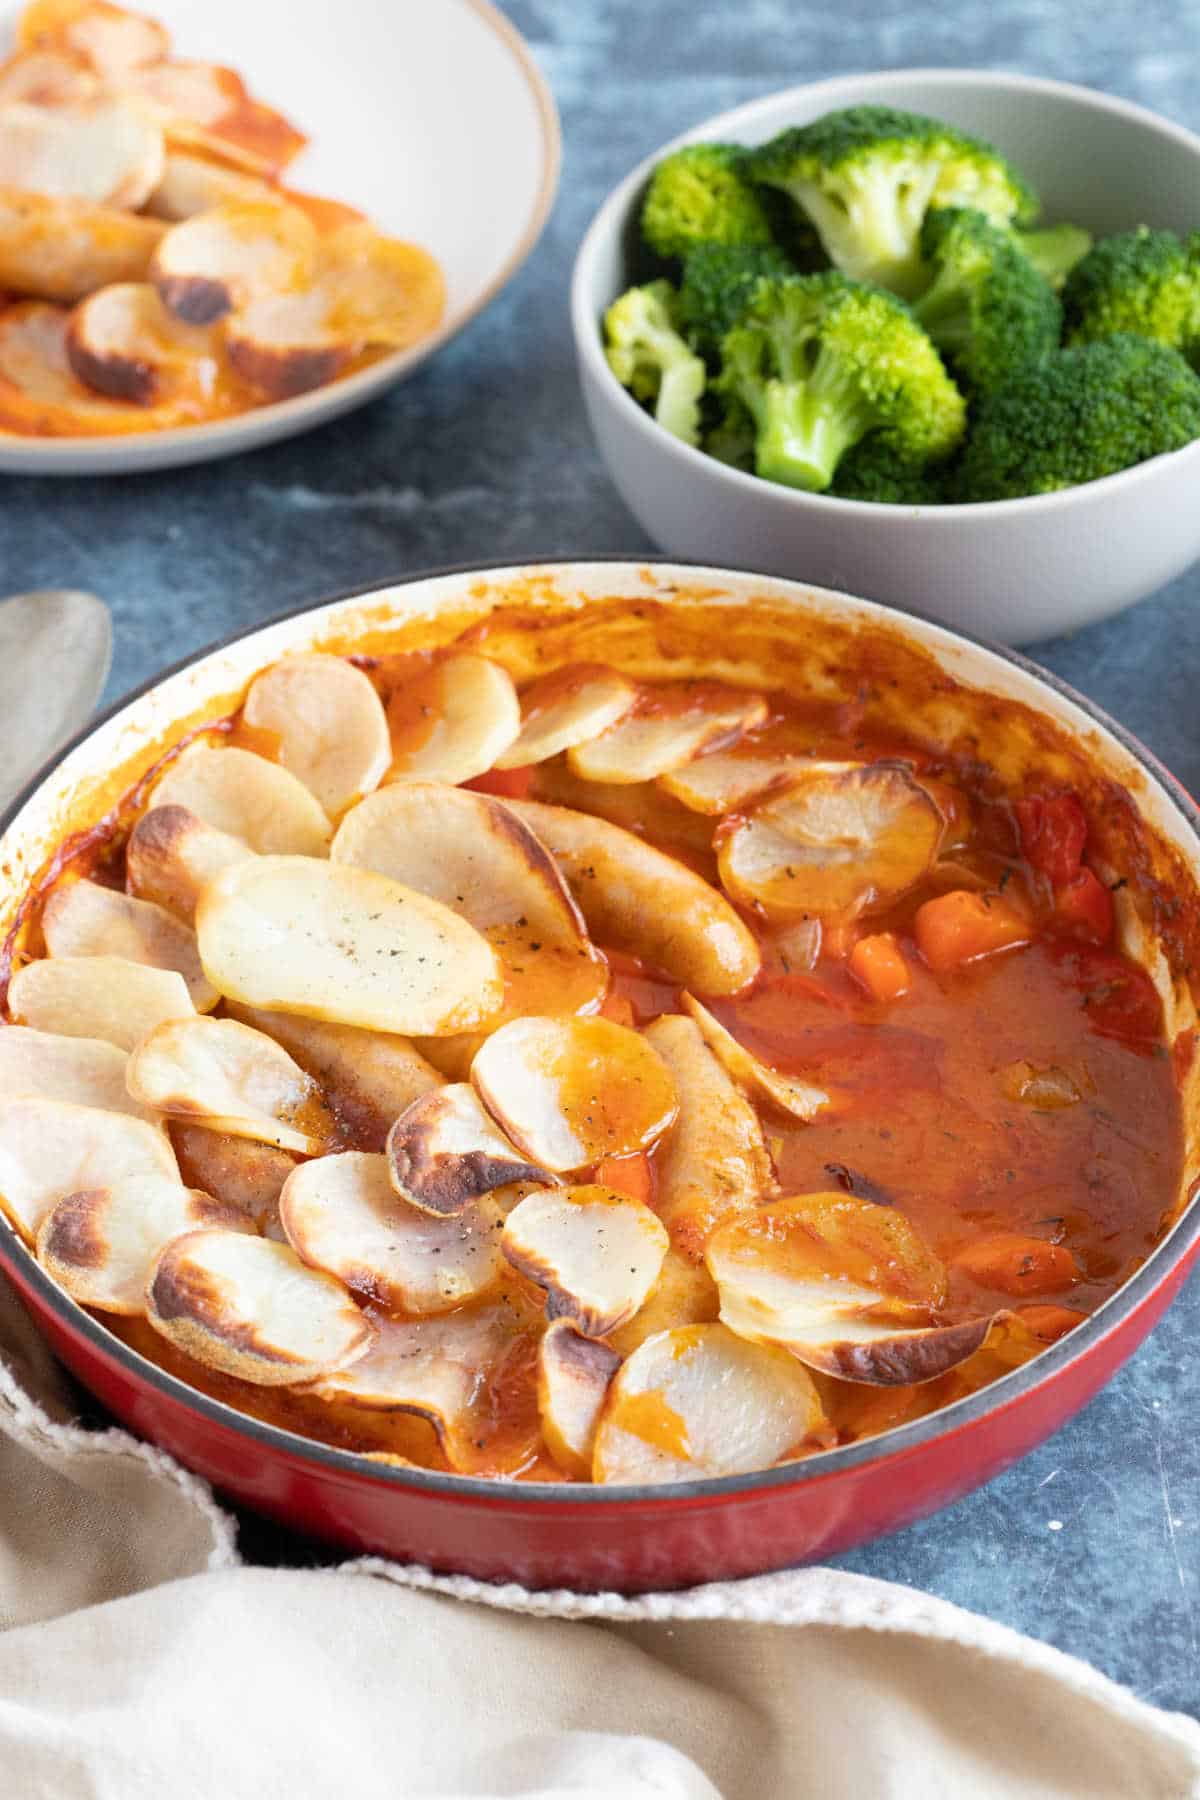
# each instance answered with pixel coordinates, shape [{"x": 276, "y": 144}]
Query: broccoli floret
[
  {"x": 987, "y": 309},
  {"x": 718, "y": 281},
  {"x": 699, "y": 195},
  {"x": 1055, "y": 251},
  {"x": 1078, "y": 415},
  {"x": 1143, "y": 281},
  {"x": 648, "y": 356},
  {"x": 867, "y": 176},
  {"x": 819, "y": 361},
  {"x": 873, "y": 471}
]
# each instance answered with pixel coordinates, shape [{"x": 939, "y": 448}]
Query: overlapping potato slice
[
  {"x": 596, "y": 1252},
  {"x": 574, "y": 1373},
  {"x": 570, "y": 1092},
  {"x": 107, "y": 151},
  {"x": 636, "y": 899},
  {"x": 111, "y": 39},
  {"x": 330, "y": 725},
  {"x": 122, "y": 342},
  {"x": 334, "y": 942},
  {"x": 667, "y": 727},
  {"x": 715, "y": 1163},
  {"x": 41, "y": 395},
  {"x": 788, "y": 1092},
  {"x": 192, "y": 184},
  {"x": 245, "y": 1173},
  {"x": 241, "y": 793},
  {"x": 207, "y": 265},
  {"x": 242, "y": 1081},
  {"x": 52, "y": 1066},
  {"x": 99, "y": 1245},
  {"x": 250, "y": 1308},
  {"x": 845, "y": 1285},
  {"x": 833, "y": 842},
  {"x": 50, "y": 1148},
  {"x": 98, "y": 997},
  {"x": 724, "y": 780},
  {"x": 172, "y": 854},
  {"x": 58, "y": 247},
  {"x": 566, "y": 708},
  {"x": 342, "y": 1214},
  {"x": 49, "y": 78},
  {"x": 444, "y": 1152},
  {"x": 197, "y": 93},
  {"x": 699, "y": 1401},
  {"x": 83, "y": 919},
  {"x": 452, "y": 720}
]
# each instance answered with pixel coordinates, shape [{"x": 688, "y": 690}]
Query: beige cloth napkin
[{"x": 138, "y": 1656}]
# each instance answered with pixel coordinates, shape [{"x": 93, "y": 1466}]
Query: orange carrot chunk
[
  {"x": 1019, "y": 1265},
  {"x": 878, "y": 963},
  {"x": 959, "y": 926},
  {"x": 630, "y": 1175},
  {"x": 1050, "y": 1322}
]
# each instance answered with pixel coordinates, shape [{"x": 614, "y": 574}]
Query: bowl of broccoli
[{"x": 929, "y": 336}]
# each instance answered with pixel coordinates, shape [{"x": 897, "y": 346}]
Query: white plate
[{"x": 429, "y": 115}]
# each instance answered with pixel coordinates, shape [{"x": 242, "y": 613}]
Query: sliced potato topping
[
  {"x": 40, "y": 393},
  {"x": 342, "y": 1214},
  {"x": 98, "y": 997},
  {"x": 171, "y": 855},
  {"x": 250, "y": 1308},
  {"x": 121, "y": 341},
  {"x": 108, "y": 151},
  {"x": 787, "y": 1092},
  {"x": 574, "y": 1373},
  {"x": 81, "y": 918},
  {"x": 110, "y": 39},
  {"x": 636, "y": 899},
  {"x": 50, "y": 1066},
  {"x": 244, "y": 795},
  {"x": 330, "y": 723},
  {"x": 49, "y": 78},
  {"x": 100, "y": 1244},
  {"x": 58, "y": 247},
  {"x": 572, "y": 1091},
  {"x": 246, "y": 1174},
  {"x": 832, "y": 841},
  {"x": 697, "y": 1402},
  {"x": 333, "y": 942},
  {"x": 596, "y": 1252},
  {"x": 240, "y": 1079},
  {"x": 50, "y": 1148},
  {"x": 452, "y": 721},
  {"x": 847, "y": 1286},
  {"x": 667, "y": 727},
  {"x": 444, "y": 1152},
  {"x": 567, "y": 708},
  {"x": 208, "y": 265},
  {"x": 724, "y": 780}
]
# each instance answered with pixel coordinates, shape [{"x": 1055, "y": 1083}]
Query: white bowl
[
  {"x": 434, "y": 120},
  {"x": 1015, "y": 570}
]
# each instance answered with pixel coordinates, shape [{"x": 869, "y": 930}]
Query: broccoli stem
[
  {"x": 944, "y": 311},
  {"x": 808, "y": 425}
]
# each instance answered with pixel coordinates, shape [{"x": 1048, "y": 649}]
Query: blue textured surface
[{"x": 1092, "y": 1543}]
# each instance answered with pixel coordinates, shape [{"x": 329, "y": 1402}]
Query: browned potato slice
[
  {"x": 250, "y": 1308},
  {"x": 332, "y": 942},
  {"x": 715, "y": 1162},
  {"x": 195, "y": 184},
  {"x": 698, "y": 1402},
  {"x": 244, "y": 1173},
  {"x": 57, "y": 247},
  {"x": 49, "y": 1148},
  {"x": 206, "y": 266},
  {"x": 81, "y": 918},
  {"x": 50, "y": 1066},
  {"x": 49, "y": 78},
  {"x": 342, "y": 1214},
  {"x": 171, "y": 855},
  {"x": 99, "y": 1245},
  {"x": 241, "y": 793},
  {"x": 567, "y": 708},
  {"x": 570, "y": 1092},
  {"x": 41, "y": 395},
  {"x": 453, "y": 720},
  {"x": 667, "y": 728},
  {"x": 107, "y": 151},
  {"x": 636, "y": 899},
  {"x": 787, "y": 1092},
  {"x": 110, "y": 38},
  {"x": 724, "y": 780},
  {"x": 98, "y": 997},
  {"x": 843, "y": 1284},
  {"x": 122, "y": 342},
  {"x": 596, "y": 1252},
  {"x": 444, "y": 1152},
  {"x": 573, "y": 1377},
  {"x": 831, "y": 841},
  {"x": 240, "y": 1079},
  {"x": 330, "y": 723}
]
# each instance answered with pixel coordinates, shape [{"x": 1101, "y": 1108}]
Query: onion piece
[
  {"x": 444, "y": 1152},
  {"x": 51, "y": 1066},
  {"x": 172, "y": 854},
  {"x": 98, "y": 997},
  {"x": 567, "y": 708},
  {"x": 244, "y": 795},
  {"x": 81, "y": 918},
  {"x": 596, "y": 1252},
  {"x": 209, "y": 265},
  {"x": 453, "y": 720},
  {"x": 667, "y": 728},
  {"x": 574, "y": 1373},
  {"x": 106, "y": 151},
  {"x": 50, "y": 1148},
  {"x": 787, "y": 1092},
  {"x": 240, "y": 1079},
  {"x": 330, "y": 724},
  {"x": 100, "y": 1244}
]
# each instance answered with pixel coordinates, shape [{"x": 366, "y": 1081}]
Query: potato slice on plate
[
  {"x": 715, "y": 1162},
  {"x": 444, "y": 1152},
  {"x": 50, "y": 1148},
  {"x": 333, "y": 942},
  {"x": 636, "y": 899},
  {"x": 330, "y": 724},
  {"x": 452, "y": 720},
  {"x": 57, "y": 247},
  {"x": 81, "y": 918},
  {"x": 198, "y": 92},
  {"x": 193, "y": 184},
  {"x": 122, "y": 342},
  {"x": 49, "y": 78},
  {"x": 243, "y": 794},
  {"x": 172, "y": 854},
  {"x": 99, "y": 1245},
  {"x": 574, "y": 1373},
  {"x": 787, "y": 1092},
  {"x": 250, "y": 1308},
  {"x": 240, "y": 1079},
  {"x": 342, "y": 1214},
  {"x": 246, "y": 1174},
  {"x": 41, "y": 395},
  {"x": 845, "y": 1285},
  {"x": 109, "y": 38},
  {"x": 568, "y": 707},
  {"x": 570, "y": 1092},
  {"x": 108, "y": 151},
  {"x": 832, "y": 841},
  {"x": 596, "y": 1252},
  {"x": 698, "y": 1402},
  {"x": 51, "y": 1066},
  {"x": 667, "y": 727},
  {"x": 206, "y": 266},
  {"x": 98, "y": 997}
]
